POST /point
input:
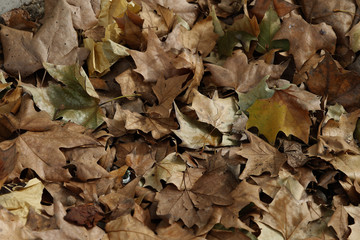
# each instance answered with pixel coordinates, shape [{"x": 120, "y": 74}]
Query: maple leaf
[
  {"x": 281, "y": 113},
  {"x": 155, "y": 63},
  {"x": 166, "y": 91},
  {"x": 7, "y": 157},
  {"x": 269, "y": 25},
  {"x": 160, "y": 20},
  {"x": 163, "y": 170},
  {"x": 219, "y": 112},
  {"x": 241, "y": 75},
  {"x": 128, "y": 227},
  {"x": 339, "y": 85},
  {"x": 327, "y": 12},
  {"x": 305, "y": 39},
  {"x": 40, "y": 151},
  {"x": 77, "y": 101},
  {"x": 262, "y": 157},
  {"x": 182, "y": 8},
  {"x": 195, "y": 134},
  {"x": 201, "y": 38},
  {"x": 289, "y": 216},
  {"x": 55, "y": 42},
  {"x": 353, "y": 34},
  {"x": 281, "y": 7},
  {"x": 195, "y": 205}
]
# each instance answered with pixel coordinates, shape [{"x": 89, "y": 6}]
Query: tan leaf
[
  {"x": 328, "y": 12},
  {"x": 155, "y": 63},
  {"x": 241, "y": 75},
  {"x": 55, "y": 42},
  {"x": 201, "y": 38},
  {"x": 175, "y": 231},
  {"x": 305, "y": 39},
  {"x": 339, "y": 221},
  {"x": 128, "y": 227},
  {"x": 163, "y": 170},
  {"x": 219, "y": 112},
  {"x": 41, "y": 152},
  {"x": 195, "y": 134},
  {"x": 289, "y": 216},
  {"x": 262, "y": 157}
]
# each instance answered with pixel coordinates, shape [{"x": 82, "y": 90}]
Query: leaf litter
[{"x": 159, "y": 119}]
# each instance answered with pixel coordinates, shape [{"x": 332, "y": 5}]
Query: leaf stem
[{"x": 113, "y": 99}]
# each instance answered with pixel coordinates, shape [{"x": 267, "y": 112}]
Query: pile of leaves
[{"x": 181, "y": 119}]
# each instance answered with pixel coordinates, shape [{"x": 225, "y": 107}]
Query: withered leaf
[
  {"x": 305, "y": 39},
  {"x": 84, "y": 215},
  {"x": 241, "y": 75}
]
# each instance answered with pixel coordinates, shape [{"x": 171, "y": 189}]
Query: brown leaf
[
  {"x": 282, "y": 7},
  {"x": 182, "y": 8},
  {"x": 155, "y": 63},
  {"x": 339, "y": 85},
  {"x": 131, "y": 26},
  {"x": 166, "y": 91},
  {"x": 55, "y": 42},
  {"x": 339, "y": 15},
  {"x": 339, "y": 221},
  {"x": 41, "y": 152},
  {"x": 8, "y": 156},
  {"x": 175, "y": 231},
  {"x": 305, "y": 39},
  {"x": 289, "y": 216},
  {"x": 84, "y": 215},
  {"x": 262, "y": 157},
  {"x": 128, "y": 227},
  {"x": 241, "y": 75},
  {"x": 201, "y": 38},
  {"x": 160, "y": 20},
  {"x": 18, "y": 19}
]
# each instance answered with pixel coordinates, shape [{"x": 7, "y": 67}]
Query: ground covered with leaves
[{"x": 160, "y": 119}]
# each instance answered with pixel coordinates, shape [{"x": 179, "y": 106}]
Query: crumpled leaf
[
  {"x": 282, "y": 112},
  {"x": 77, "y": 101},
  {"x": 241, "y": 75},
  {"x": 20, "y": 200},
  {"x": 195, "y": 134},
  {"x": 55, "y": 42},
  {"x": 85, "y": 215},
  {"x": 103, "y": 55},
  {"x": 305, "y": 39},
  {"x": 282, "y": 7},
  {"x": 219, "y": 112},
  {"x": 164, "y": 170}
]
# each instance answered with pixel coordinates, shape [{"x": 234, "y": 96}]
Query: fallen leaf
[
  {"x": 339, "y": 85},
  {"x": 195, "y": 134},
  {"x": 241, "y": 75},
  {"x": 56, "y": 41},
  {"x": 7, "y": 159},
  {"x": 163, "y": 170},
  {"x": 281, "y": 7},
  {"x": 77, "y": 101},
  {"x": 166, "y": 90},
  {"x": 128, "y": 227},
  {"x": 289, "y": 216},
  {"x": 84, "y": 215},
  {"x": 41, "y": 152},
  {"x": 23, "y": 198},
  {"x": 328, "y": 12},
  {"x": 281, "y": 113},
  {"x": 305, "y": 39},
  {"x": 155, "y": 63},
  {"x": 219, "y": 112},
  {"x": 262, "y": 157}
]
